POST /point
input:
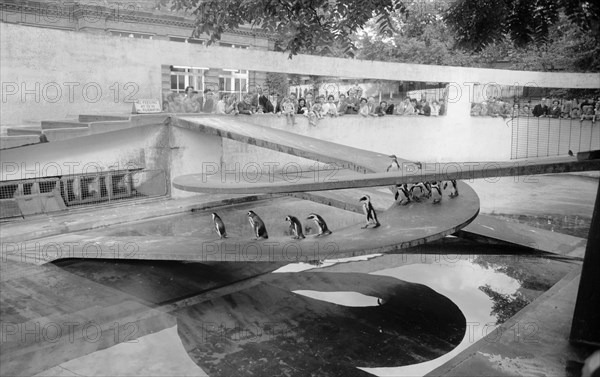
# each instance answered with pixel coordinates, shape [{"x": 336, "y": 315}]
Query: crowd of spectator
[
  {"x": 310, "y": 106},
  {"x": 585, "y": 109}
]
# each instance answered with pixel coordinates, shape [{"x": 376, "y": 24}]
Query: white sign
[{"x": 146, "y": 106}]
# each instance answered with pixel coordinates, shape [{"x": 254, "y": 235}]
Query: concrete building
[{"x": 112, "y": 19}]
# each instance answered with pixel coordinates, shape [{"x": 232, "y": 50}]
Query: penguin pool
[{"x": 384, "y": 315}]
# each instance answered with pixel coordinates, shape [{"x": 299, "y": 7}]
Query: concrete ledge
[
  {"x": 532, "y": 342},
  {"x": 27, "y": 130},
  {"x": 491, "y": 229},
  {"x": 18, "y": 141},
  {"x": 55, "y": 124},
  {"x": 17, "y": 355},
  {"x": 102, "y": 117}
]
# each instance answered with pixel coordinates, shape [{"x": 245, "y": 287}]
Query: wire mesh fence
[
  {"x": 544, "y": 137},
  {"x": 50, "y": 194}
]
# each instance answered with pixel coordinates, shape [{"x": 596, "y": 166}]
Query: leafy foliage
[
  {"x": 481, "y": 23},
  {"x": 277, "y": 82},
  {"x": 298, "y": 25},
  {"x": 421, "y": 37}
]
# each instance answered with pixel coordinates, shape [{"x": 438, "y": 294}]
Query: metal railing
[{"x": 543, "y": 137}]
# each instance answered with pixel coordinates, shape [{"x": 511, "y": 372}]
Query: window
[
  {"x": 187, "y": 40},
  {"x": 127, "y": 34},
  {"x": 182, "y": 77},
  {"x": 233, "y": 45},
  {"x": 233, "y": 81}
]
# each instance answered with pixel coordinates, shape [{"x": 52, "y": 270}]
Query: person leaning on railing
[{"x": 245, "y": 107}]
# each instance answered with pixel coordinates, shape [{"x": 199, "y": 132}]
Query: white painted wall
[
  {"x": 420, "y": 138},
  {"x": 192, "y": 152},
  {"x": 54, "y": 74}
]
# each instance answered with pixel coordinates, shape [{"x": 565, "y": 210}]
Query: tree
[
  {"x": 480, "y": 23},
  {"x": 278, "y": 83},
  {"x": 420, "y": 36},
  {"x": 300, "y": 25}
]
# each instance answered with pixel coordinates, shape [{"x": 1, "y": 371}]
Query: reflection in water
[
  {"x": 281, "y": 331},
  {"x": 290, "y": 334},
  {"x": 505, "y": 305},
  {"x": 459, "y": 280},
  {"x": 298, "y": 267},
  {"x": 353, "y": 299}
]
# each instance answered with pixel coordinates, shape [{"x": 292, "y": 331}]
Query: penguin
[
  {"x": 423, "y": 191},
  {"x": 436, "y": 192},
  {"x": 323, "y": 231},
  {"x": 295, "y": 227},
  {"x": 394, "y": 190},
  {"x": 219, "y": 226},
  {"x": 453, "y": 188},
  {"x": 369, "y": 212},
  {"x": 394, "y": 162},
  {"x": 258, "y": 226},
  {"x": 403, "y": 194}
]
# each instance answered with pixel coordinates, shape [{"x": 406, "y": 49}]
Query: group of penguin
[
  {"x": 403, "y": 194},
  {"x": 260, "y": 230},
  {"x": 409, "y": 192}
]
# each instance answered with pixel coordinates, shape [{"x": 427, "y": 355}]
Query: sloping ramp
[
  {"x": 235, "y": 128},
  {"x": 492, "y": 228},
  {"x": 308, "y": 181}
]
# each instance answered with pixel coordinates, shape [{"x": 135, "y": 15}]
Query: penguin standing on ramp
[
  {"x": 424, "y": 191},
  {"x": 436, "y": 192},
  {"x": 323, "y": 230},
  {"x": 394, "y": 162},
  {"x": 402, "y": 193},
  {"x": 258, "y": 226},
  {"x": 295, "y": 227},
  {"x": 219, "y": 225},
  {"x": 453, "y": 188},
  {"x": 369, "y": 212}
]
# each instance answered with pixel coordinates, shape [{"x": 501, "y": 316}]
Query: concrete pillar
[{"x": 585, "y": 328}]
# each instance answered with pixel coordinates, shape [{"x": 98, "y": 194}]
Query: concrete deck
[
  {"x": 401, "y": 227},
  {"x": 79, "y": 219}
]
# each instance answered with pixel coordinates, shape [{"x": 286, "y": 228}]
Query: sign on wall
[{"x": 146, "y": 106}]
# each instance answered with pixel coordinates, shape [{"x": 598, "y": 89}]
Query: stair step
[
  {"x": 54, "y": 124},
  {"x": 24, "y": 130},
  {"x": 18, "y": 141},
  {"x": 100, "y": 117}
]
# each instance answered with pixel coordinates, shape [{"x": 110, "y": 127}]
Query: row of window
[
  {"x": 127, "y": 34},
  {"x": 230, "y": 80}
]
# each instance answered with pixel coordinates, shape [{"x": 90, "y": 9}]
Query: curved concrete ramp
[
  {"x": 401, "y": 227},
  {"x": 285, "y": 182},
  {"x": 286, "y": 142}
]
